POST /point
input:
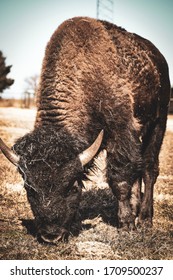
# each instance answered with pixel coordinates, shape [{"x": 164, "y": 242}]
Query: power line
[{"x": 105, "y": 10}]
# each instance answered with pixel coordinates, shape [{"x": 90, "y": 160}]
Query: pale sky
[{"x": 26, "y": 26}]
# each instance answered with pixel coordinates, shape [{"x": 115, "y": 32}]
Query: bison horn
[
  {"x": 89, "y": 153},
  {"x": 10, "y": 155}
]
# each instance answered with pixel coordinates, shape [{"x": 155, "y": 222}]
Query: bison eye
[{"x": 72, "y": 188}]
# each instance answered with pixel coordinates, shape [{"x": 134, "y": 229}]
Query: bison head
[{"x": 51, "y": 164}]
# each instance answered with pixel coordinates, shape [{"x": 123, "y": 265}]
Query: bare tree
[
  {"x": 30, "y": 90},
  {"x": 4, "y": 70}
]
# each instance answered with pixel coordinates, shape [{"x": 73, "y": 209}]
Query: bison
[{"x": 101, "y": 87}]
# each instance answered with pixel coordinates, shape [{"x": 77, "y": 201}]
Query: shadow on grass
[
  {"x": 94, "y": 203},
  {"x": 100, "y": 203},
  {"x": 30, "y": 226}
]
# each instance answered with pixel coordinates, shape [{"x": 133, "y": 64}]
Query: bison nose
[{"x": 61, "y": 235}]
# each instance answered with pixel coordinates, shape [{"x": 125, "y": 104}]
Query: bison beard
[{"x": 95, "y": 76}]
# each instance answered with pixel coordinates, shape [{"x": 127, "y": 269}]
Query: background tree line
[{"x": 31, "y": 83}]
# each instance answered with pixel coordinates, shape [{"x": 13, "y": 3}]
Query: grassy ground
[{"x": 98, "y": 238}]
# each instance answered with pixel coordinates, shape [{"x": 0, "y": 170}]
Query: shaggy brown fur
[
  {"x": 147, "y": 76},
  {"x": 95, "y": 76}
]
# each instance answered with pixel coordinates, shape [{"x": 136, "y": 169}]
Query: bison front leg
[
  {"x": 126, "y": 219},
  {"x": 135, "y": 200}
]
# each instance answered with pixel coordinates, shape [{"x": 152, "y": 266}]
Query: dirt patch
[{"x": 98, "y": 238}]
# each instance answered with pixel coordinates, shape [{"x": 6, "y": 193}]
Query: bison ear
[
  {"x": 10, "y": 155},
  {"x": 90, "y": 152}
]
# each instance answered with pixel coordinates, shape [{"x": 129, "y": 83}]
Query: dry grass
[
  {"x": 98, "y": 238},
  {"x": 17, "y": 103}
]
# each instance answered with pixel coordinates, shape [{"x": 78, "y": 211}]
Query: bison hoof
[
  {"x": 145, "y": 223},
  {"x": 126, "y": 227}
]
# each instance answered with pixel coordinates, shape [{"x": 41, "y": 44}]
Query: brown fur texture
[
  {"x": 147, "y": 77},
  {"x": 95, "y": 76}
]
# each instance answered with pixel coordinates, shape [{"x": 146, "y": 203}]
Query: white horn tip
[{"x": 89, "y": 153}]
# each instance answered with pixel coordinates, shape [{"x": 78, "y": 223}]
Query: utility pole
[{"x": 105, "y": 10}]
